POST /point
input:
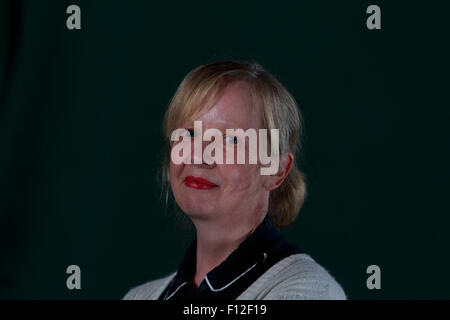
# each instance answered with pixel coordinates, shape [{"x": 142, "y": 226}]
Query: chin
[
  {"x": 196, "y": 203},
  {"x": 196, "y": 208}
]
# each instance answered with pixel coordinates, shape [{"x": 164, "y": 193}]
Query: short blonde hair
[{"x": 201, "y": 88}]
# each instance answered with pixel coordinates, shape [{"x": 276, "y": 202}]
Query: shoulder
[
  {"x": 297, "y": 277},
  {"x": 150, "y": 290}
]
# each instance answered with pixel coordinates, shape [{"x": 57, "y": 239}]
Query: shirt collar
[{"x": 251, "y": 251}]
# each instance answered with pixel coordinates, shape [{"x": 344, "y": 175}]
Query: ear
[{"x": 274, "y": 181}]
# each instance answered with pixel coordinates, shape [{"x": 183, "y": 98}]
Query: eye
[
  {"x": 231, "y": 139},
  {"x": 188, "y": 133}
]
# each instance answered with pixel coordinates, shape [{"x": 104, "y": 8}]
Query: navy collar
[
  {"x": 250, "y": 252},
  {"x": 260, "y": 250}
]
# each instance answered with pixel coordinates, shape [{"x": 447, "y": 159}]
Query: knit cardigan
[{"x": 296, "y": 277}]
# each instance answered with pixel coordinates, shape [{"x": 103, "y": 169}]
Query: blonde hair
[{"x": 201, "y": 88}]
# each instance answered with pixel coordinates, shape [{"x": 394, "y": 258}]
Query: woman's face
[{"x": 236, "y": 190}]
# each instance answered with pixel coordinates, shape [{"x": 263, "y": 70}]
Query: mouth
[{"x": 198, "y": 183}]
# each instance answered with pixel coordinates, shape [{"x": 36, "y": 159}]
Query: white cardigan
[{"x": 297, "y": 277}]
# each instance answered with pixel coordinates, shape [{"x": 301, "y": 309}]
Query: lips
[{"x": 198, "y": 183}]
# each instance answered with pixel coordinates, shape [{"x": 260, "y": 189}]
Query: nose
[{"x": 199, "y": 159}]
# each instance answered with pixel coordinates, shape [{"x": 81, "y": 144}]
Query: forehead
[{"x": 235, "y": 108}]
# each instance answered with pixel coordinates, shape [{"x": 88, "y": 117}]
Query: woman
[{"x": 238, "y": 252}]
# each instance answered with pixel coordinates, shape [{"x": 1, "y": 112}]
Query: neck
[{"x": 216, "y": 240}]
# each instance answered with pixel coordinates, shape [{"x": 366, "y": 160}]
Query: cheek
[
  {"x": 241, "y": 177},
  {"x": 174, "y": 174}
]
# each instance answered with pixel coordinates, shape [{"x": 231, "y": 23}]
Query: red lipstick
[{"x": 198, "y": 183}]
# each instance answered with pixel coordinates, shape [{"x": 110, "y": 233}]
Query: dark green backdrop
[{"x": 80, "y": 137}]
